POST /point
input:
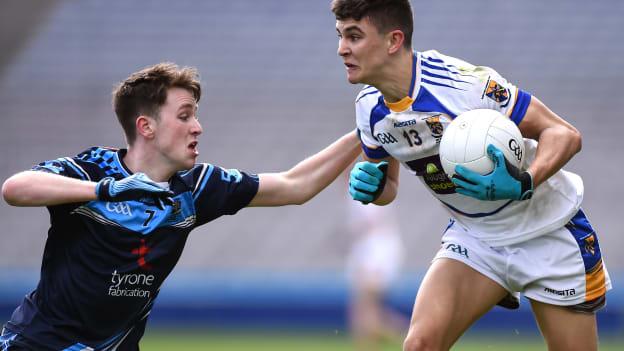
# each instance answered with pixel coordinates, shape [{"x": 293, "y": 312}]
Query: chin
[
  {"x": 185, "y": 165},
  {"x": 353, "y": 80}
]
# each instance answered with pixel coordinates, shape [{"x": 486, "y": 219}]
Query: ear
[
  {"x": 395, "y": 41},
  {"x": 145, "y": 126}
]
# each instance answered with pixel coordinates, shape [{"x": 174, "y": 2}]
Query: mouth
[
  {"x": 350, "y": 66},
  {"x": 193, "y": 148}
]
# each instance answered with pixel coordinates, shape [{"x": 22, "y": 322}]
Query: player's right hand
[
  {"x": 367, "y": 180},
  {"x": 136, "y": 187}
]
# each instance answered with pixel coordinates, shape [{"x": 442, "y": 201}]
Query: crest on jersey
[
  {"x": 177, "y": 207},
  {"x": 496, "y": 92},
  {"x": 590, "y": 244},
  {"x": 435, "y": 126}
]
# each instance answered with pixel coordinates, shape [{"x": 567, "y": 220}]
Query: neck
[
  {"x": 140, "y": 159},
  {"x": 395, "y": 81}
]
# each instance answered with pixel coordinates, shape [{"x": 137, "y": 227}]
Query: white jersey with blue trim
[{"x": 410, "y": 131}]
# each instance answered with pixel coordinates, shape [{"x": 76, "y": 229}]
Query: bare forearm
[
  {"x": 33, "y": 188},
  {"x": 308, "y": 177},
  {"x": 556, "y": 147},
  {"x": 317, "y": 172}
]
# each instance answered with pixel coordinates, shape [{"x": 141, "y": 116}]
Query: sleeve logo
[{"x": 497, "y": 92}]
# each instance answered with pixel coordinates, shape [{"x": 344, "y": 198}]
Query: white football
[{"x": 467, "y": 137}]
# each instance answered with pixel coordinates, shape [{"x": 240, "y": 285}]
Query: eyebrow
[
  {"x": 351, "y": 28},
  {"x": 188, "y": 105}
]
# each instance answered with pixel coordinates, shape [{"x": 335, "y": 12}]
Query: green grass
[{"x": 160, "y": 340}]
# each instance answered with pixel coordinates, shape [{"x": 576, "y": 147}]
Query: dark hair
[
  {"x": 385, "y": 15},
  {"x": 145, "y": 92}
]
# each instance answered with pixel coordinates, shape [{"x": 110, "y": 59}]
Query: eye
[
  {"x": 355, "y": 37},
  {"x": 184, "y": 117}
]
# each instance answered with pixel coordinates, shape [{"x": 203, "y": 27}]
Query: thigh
[
  {"x": 564, "y": 329},
  {"x": 451, "y": 297},
  {"x": 572, "y": 272}
]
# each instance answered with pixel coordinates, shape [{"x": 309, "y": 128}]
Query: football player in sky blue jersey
[
  {"x": 120, "y": 217},
  {"x": 512, "y": 231}
]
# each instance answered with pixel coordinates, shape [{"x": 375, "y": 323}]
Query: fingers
[
  {"x": 467, "y": 192},
  {"x": 364, "y": 177},
  {"x": 359, "y": 195},
  {"x": 365, "y": 186},
  {"x": 464, "y": 184},
  {"x": 467, "y": 174},
  {"x": 496, "y": 155},
  {"x": 372, "y": 169}
]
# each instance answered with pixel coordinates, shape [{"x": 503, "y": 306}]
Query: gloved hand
[
  {"x": 367, "y": 181},
  {"x": 506, "y": 181},
  {"x": 136, "y": 187}
]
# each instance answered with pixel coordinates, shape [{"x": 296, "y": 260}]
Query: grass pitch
[{"x": 161, "y": 340}]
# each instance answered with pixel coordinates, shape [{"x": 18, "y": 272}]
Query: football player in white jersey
[{"x": 512, "y": 231}]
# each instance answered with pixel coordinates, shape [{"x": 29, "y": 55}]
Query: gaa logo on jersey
[
  {"x": 119, "y": 208},
  {"x": 497, "y": 92}
]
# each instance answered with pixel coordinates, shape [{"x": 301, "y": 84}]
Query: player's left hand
[{"x": 506, "y": 181}]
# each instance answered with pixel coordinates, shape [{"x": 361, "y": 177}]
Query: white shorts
[{"x": 563, "y": 267}]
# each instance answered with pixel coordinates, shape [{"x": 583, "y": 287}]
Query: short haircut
[
  {"x": 385, "y": 15},
  {"x": 145, "y": 92}
]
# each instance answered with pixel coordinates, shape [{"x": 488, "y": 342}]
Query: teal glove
[
  {"x": 506, "y": 181},
  {"x": 136, "y": 187},
  {"x": 367, "y": 181}
]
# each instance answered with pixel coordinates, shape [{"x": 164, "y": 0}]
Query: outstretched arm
[
  {"x": 306, "y": 179},
  {"x": 35, "y": 188}
]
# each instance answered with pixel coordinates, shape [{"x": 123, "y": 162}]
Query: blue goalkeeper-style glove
[
  {"x": 367, "y": 181},
  {"x": 506, "y": 181},
  {"x": 137, "y": 187}
]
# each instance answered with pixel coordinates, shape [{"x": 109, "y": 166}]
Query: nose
[
  {"x": 343, "y": 49},
  {"x": 197, "y": 128}
]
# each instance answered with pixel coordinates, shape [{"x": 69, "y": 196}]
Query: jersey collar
[
  {"x": 119, "y": 155},
  {"x": 408, "y": 100}
]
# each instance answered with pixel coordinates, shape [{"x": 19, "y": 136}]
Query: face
[
  {"x": 362, "y": 48},
  {"x": 178, "y": 129}
]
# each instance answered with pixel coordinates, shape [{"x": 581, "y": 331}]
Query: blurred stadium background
[{"x": 275, "y": 92}]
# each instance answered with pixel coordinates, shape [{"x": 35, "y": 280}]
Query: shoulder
[
  {"x": 366, "y": 101},
  {"x": 101, "y": 160},
  {"x": 197, "y": 174},
  {"x": 91, "y": 164},
  {"x": 440, "y": 72},
  {"x": 435, "y": 65},
  {"x": 368, "y": 93},
  {"x": 434, "y": 58},
  {"x": 96, "y": 154},
  {"x": 202, "y": 174}
]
